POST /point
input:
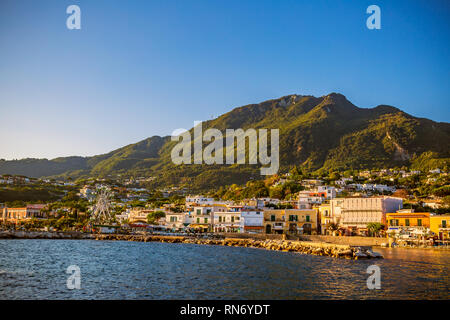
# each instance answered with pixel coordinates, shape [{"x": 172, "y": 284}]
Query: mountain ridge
[{"x": 326, "y": 132}]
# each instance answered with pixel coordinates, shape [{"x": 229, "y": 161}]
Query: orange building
[{"x": 408, "y": 219}]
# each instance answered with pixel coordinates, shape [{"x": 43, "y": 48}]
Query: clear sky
[{"x": 143, "y": 68}]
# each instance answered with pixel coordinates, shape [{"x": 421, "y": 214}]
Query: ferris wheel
[{"x": 101, "y": 211}]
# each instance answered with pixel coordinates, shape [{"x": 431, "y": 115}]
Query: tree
[
  {"x": 442, "y": 191},
  {"x": 333, "y": 226},
  {"x": 446, "y": 201},
  {"x": 296, "y": 174},
  {"x": 153, "y": 217},
  {"x": 290, "y": 188},
  {"x": 400, "y": 193},
  {"x": 276, "y": 192},
  {"x": 374, "y": 228},
  {"x": 255, "y": 189},
  {"x": 334, "y": 176}
]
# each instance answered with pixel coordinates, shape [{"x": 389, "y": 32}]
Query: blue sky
[{"x": 143, "y": 68}]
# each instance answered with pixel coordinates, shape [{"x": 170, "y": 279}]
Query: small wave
[{"x": 18, "y": 272}]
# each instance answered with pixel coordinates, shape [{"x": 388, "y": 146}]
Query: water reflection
[{"x": 36, "y": 269}]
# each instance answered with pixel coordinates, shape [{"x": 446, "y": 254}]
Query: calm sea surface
[{"x": 36, "y": 269}]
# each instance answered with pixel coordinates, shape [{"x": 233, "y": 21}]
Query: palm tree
[
  {"x": 333, "y": 227},
  {"x": 374, "y": 228}
]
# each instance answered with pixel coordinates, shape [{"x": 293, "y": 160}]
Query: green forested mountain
[{"x": 316, "y": 132}]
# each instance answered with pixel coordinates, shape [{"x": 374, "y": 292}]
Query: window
[
  {"x": 407, "y": 222},
  {"x": 199, "y": 211},
  {"x": 272, "y": 217},
  {"x": 419, "y": 222},
  {"x": 232, "y": 219},
  {"x": 307, "y": 219},
  {"x": 444, "y": 223},
  {"x": 198, "y": 220},
  {"x": 394, "y": 222},
  {"x": 206, "y": 220},
  {"x": 220, "y": 218}
]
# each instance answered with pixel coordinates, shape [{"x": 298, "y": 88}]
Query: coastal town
[
  {"x": 225, "y": 159},
  {"x": 380, "y": 204}
]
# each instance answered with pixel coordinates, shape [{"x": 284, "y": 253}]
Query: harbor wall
[
  {"x": 351, "y": 241},
  {"x": 256, "y": 236}
]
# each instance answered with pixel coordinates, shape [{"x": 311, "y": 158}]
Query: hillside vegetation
[{"x": 328, "y": 133}]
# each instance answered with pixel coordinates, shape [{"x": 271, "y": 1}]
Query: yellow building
[
  {"x": 16, "y": 215},
  {"x": 274, "y": 221},
  {"x": 440, "y": 225},
  {"x": 408, "y": 219},
  {"x": 290, "y": 221},
  {"x": 325, "y": 218}
]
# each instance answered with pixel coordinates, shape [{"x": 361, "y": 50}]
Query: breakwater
[
  {"x": 70, "y": 235},
  {"x": 305, "y": 247}
]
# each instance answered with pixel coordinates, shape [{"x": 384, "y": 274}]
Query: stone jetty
[
  {"x": 305, "y": 247},
  {"x": 17, "y": 234}
]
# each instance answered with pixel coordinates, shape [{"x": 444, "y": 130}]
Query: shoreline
[{"x": 305, "y": 247}]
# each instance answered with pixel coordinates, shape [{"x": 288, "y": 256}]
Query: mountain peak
[
  {"x": 386, "y": 109},
  {"x": 289, "y": 100},
  {"x": 336, "y": 95},
  {"x": 335, "y": 98}
]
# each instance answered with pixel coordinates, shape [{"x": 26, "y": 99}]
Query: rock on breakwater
[{"x": 315, "y": 248}]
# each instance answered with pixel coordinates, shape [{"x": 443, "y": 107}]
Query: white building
[
  {"x": 228, "y": 221},
  {"x": 356, "y": 213},
  {"x": 368, "y": 187},
  {"x": 178, "y": 220},
  {"x": 343, "y": 181},
  {"x": 202, "y": 216},
  {"x": 306, "y": 199},
  {"x": 330, "y": 192},
  {"x": 87, "y": 192},
  {"x": 432, "y": 204},
  {"x": 383, "y": 188},
  {"x": 198, "y": 200},
  {"x": 252, "y": 221},
  {"x": 253, "y": 203},
  {"x": 267, "y": 201},
  {"x": 121, "y": 218}
]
